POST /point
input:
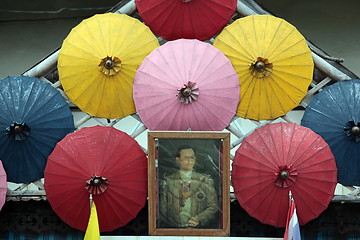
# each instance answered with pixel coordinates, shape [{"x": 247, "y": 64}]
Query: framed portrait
[{"x": 189, "y": 183}]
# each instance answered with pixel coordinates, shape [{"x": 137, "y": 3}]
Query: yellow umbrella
[
  {"x": 273, "y": 62},
  {"x": 98, "y": 61}
]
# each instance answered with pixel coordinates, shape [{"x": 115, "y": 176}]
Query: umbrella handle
[{"x": 91, "y": 200}]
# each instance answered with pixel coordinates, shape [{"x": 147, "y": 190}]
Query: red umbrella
[
  {"x": 104, "y": 162},
  {"x": 279, "y": 158},
  {"x": 186, "y": 84},
  {"x": 191, "y": 19},
  {"x": 3, "y": 185}
]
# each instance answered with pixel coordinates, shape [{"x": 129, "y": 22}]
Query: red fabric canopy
[
  {"x": 279, "y": 158},
  {"x": 191, "y": 19},
  {"x": 104, "y": 162}
]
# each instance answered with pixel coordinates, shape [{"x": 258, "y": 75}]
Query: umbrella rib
[
  {"x": 322, "y": 113},
  {"x": 264, "y": 37},
  {"x": 299, "y": 63},
  {"x": 100, "y": 90},
  {"x": 269, "y": 106},
  {"x": 83, "y": 26},
  {"x": 118, "y": 85},
  {"x": 50, "y": 141},
  {"x": 354, "y": 100},
  {"x": 298, "y": 146},
  {"x": 352, "y": 154},
  {"x": 275, "y": 96},
  {"x": 174, "y": 74},
  {"x": 78, "y": 175},
  {"x": 330, "y": 109},
  {"x": 94, "y": 84},
  {"x": 295, "y": 162},
  {"x": 276, "y": 203},
  {"x": 260, "y": 185},
  {"x": 212, "y": 68},
  {"x": 279, "y": 53},
  {"x": 162, "y": 80},
  {"x": 289, "y": 83},
  {"x": 279, "y": 158},
  {"x": 228, "y": 97},
  {"x": 8, "y": 104},
  {"x": 211, "y": 112},
  {"x": 257, "y": 168},
  {"x": 137, "y": 159},
  {"x": 250, "y": 56},
  {"x": 133, "y": 44},
  {"x": 202, "y": 57},
  {"x": 246, "y": 92},
  {"x": 303, "y": 160},
  {"x": 23, "y": 96},
  {"x": 74, "y": 151},
  {"x": 168, "y": 122},
  {"x": 40, "y": 116},
  {"x": 259, "y": 97},
  {"x": 318, "y": 151},
  {"x": 281, "y": 41},
  {"x": 344, "y": 92},
  {"x": 207, "y": 3},
  {"x": 100, "y": 33},
  {"x": 305, "y": 191},
  {"x": 267, "y": 54},
  {"x": 274, "y": 142},
  {"x": 259, "y": 193},
  {"x": 254, "y": 32},
  {"x": 62, "y": 122},
  {"x": 193, "y": 19},
  {"x": 155, "y": 110},
  {"x": 170, "y": 9},
  {"x": 157, "y": 17},
  {"x": 38, "y": 166},
  {"x": 124, "y": 208},
  {"x": 258, "y": 161},
  {"x": 311, "y": 186},
  {"x": 141, "y": 55},
  {"x": 177, "y": 64},
  {"x": 38, "y": 104},
  {"x": 327, "y": 172},
  {"x": 291, "y": 142},
  {"x": 64, "y": 53},
  {"x": 274, "y": 72},
  {"x": 247, "y": 56},
  {"x": 340, "y": 151}
]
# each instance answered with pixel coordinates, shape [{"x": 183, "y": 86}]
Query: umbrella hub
[
  {"x": 96, "y": 185},
  {"x": 110, "y": 65},
  {"x": 188, "y": 93},
  {"x": 186, "y": 1},
  {"x": 18, "y": 131},
  {"x": 261, "y": 67},
  {"x": 286, "y": 176},
  {"x": 352, "y": 130}
]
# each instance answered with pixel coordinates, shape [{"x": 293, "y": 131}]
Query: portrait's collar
[{"x": 185, "y": 176}]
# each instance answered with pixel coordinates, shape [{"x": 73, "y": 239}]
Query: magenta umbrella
[
  {"x": 186, "y": 84},
  {"x": 3, "y": 185}
]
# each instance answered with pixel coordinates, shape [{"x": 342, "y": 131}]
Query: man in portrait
[{"x": 187, "y": 199}]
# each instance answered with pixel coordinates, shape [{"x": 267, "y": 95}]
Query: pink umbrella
[
  {"x": 186, "y": 84},
  {"x": 3, "y": 185}
]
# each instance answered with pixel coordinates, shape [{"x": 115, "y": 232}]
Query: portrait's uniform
[{"x": 182, "y": 196}]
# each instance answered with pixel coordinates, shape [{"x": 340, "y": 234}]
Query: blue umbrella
[
  {"x": 33, "y": 118},
  {"x": 334, "y": 114}
]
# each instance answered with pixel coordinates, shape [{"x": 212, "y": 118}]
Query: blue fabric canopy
[
  {"x": 34, "y": 116},
  {"x": 334, "y": 114}
]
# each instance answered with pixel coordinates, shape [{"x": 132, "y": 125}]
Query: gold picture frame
[{"x": 207, "y": 198}]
